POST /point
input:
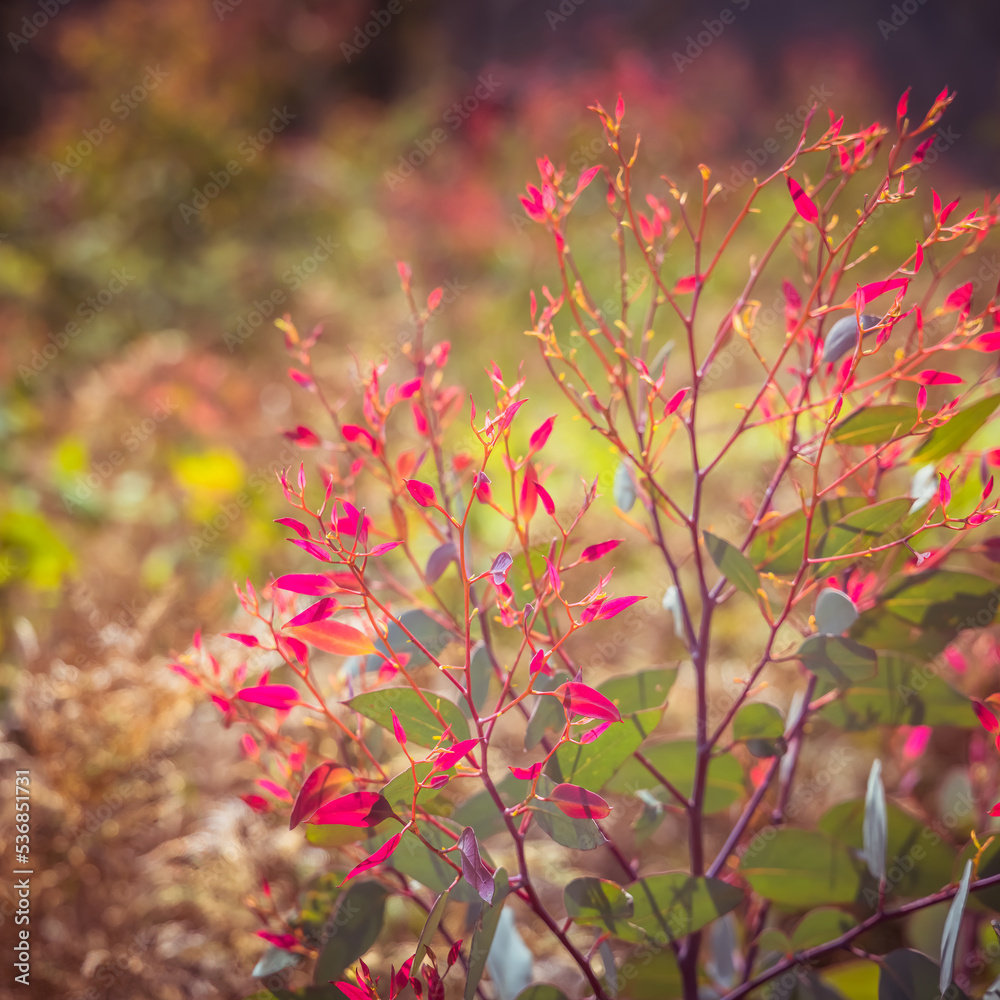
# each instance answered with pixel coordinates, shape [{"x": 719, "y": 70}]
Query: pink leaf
[
  {"x": 675, "y": 401},
  {"x": 919, "y": 259},
  {"x": 585, "y": 178},
  {"x": 579, "y": 803},
  {"x": 538, "y": 662},
  {"x": 944, "y": 491},
  {"x": 280, "y": 696},
  {"x": 304, "y": 380},
  {"x": 275, "y": 789},
  {"x": 297, "y": 526},
  {"x": 579, "y": 699},
  {"x": 317, "y": 612},
  {"x": 257, "y": 803},
  {"x": 987, "y": 342},
  {"x": 591, "y": 734},
  {"x": 540, "y": 436},
  {"x": 384, "y": 547},
  {"x": 804, "y": 205},
  {"x": 959, "y": 299},
  {"x": 397, "y": 729},
  {"x": 620, "y": 108},
  {"x": 303, "y": 437},
  {"x": 382, "y": 854},
  {"x": 594, "y": 552},
  {"x": 686, "y": 285},
  {"x": 421, "y": 492},
  {"x": 916, "y": 742},
  {"x": 316, "y": 551},
  {"x": 359, "y": 809},
  {"x": 509, "y": 413},
  {"x": 528, "y": 773},
  {"x": 407, "y": 389},
  {"x": 553, "y": 574},
  {"x": 986, "y": 718},
  {"x": 285, "y": 941},
  {"x": 352, "y": 991},
  {"x": 434, "y": 299},
  {"x": 872, "y": 291},
  {"x": 450, "y": 757},
  {"x": 931, "y": 377},
  {"x": 250, "y": 641},
  {"x": 322, "y": 784},
  {"x": 312, "y": 584},
  {"x": 901, "y": 106},
  {"x": 615, "y": 606},
  {"x": 547, "y": 501},
  {"x": 921, "y": 151},
  {"x": 352, "y": 432}
]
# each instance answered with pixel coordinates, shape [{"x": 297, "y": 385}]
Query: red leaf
[
  {"x": 987, "y": 719},
  {"x": 279, "y": 940},
  {"x": 615, "y": 606},
  {"x": 360, "y": 809},
  {"x": 921, "y": 151},
  {"x": 585, "y": 178},
  {"x": 528, "y": 502},
  {"x": 538, "y": 662},
  {"x": 594, "y": 552},
  {"x": 257, "y": 803},
  {"x": 995, "y": 811},
  {"x": 312, "y": 584},
  {"x": 319, "y": 788},
  {"x": 335, "y": 637},
  {"x": 547, "y": 501},
  {"x": 352, "y": 991},
  {"x": 686, "y": 285},
  {"x": 901, "y": 106},
  {"x": 421, "y": 492},
  {"x": 317, "y": 612},
  {"x": 579, "y": 803},
  {"x": 675, "y": 401},
  {"x": 987, "y": 342},
  {"x": 276, "y": 790},
  {"x": 872, "y": 291},
  {"x": 450, "y": 757},
  {"x": 528, "y": 773},
  {"x": 280, "y": 696},
  {"x": 540, "y": 436},
  {"x": 473, "y": 870},
  {"x": 303, "y": 437},
  {"x": 316, "y": 551},
  {"x": 579, "y": 699},
  {"x": 804, "y": 205},
  {"x": 959, "y": 299},
  {"x": 931, "y": 377},
  {"x": 297, "y": 526},
  {"x": 407, "y": 389},
  {"x": 434, "y": 299},
  {"x": 382, "y": 854},
  {"x": 919, "y": 260},
  {"x": 620, "y": 108},
  {"x": 553, "y": 574},
  {"x": 250, "y": 641}
]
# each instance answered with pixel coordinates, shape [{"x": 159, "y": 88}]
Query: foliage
[{"x": 433, "y": 709}]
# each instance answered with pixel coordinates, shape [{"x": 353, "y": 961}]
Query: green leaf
[
  {"x": 762, "y": 728},
  {"x": 952, "y": 925},
  {"x": 593, "y": 764},
  {"x": 641, "y": 696},
  {"x": 657, "y": 976},
  {"x": 542, "y": 991},
  {"x": 429, "y": 633},
  {"x": 838, "y": 662},
  {"x": 943, "y": 600},
  {"x": 548, "y": 713},
  {"x": 598, "y": 901},
  {"x": 732, "y": 564},
  {"x": 949, "y": 438},
  {"x": 399, "y": 792},
  {"x": 482, "y": 672},
  {"x": 480, "y": 811},
  {"x": 918, "y": 861},
  {"x": 430, "y": 927},
  {"x": 486, "y": 928},
  {"x": 874, "y": 828},
  {"x": 356, "y": 926},
  {"x": 826, "y": 923},
  {"x": 780, "y": 547},
  {"x": 835, "y": 612},
  {"x": 875, "y": 424},
  {"x": 676, "y": 761},
  {"x": 671, "y": 906},
  {"x": 801, "y": 869},
  {"x": 880, "y": 630},
  {"x": 420, "y": 723},
  {"x": 858, "y": 532},
  {"x": 911, "y": 975},
  {"x": 583, "y": 834}
]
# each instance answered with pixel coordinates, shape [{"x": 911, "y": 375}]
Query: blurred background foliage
[{"x": 169, "y": 174}]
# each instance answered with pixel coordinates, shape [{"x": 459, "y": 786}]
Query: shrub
[{"x": 452, "y": 719}]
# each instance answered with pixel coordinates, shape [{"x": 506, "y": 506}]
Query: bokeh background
[{"x": 175, "y": 175}]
